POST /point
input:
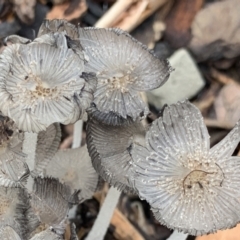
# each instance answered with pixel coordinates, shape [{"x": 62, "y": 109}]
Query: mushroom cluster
[{"x": 69, "y": 72}]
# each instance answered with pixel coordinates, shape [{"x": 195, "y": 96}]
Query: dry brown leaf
[
  {"x": 69, "y": 10},
  {"x": 216, "y": 31},
  {"x": 227, "y": 105},
  {"x": 229, "y": 234},
  {"x": 179, "y": 22}
]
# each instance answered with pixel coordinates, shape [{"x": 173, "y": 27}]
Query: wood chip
[
  {"x": 124, "y": 230},
  {"x": 179, "y": 22}
]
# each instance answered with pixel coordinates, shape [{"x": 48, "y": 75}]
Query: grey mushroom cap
[
  {"x": 190, "y": 186},
  {"x": 73, "y": 167},
  {"x": 110, "y": 149},
  {"x": 47, "y": 145},
  {"x": 15, "y": 211},
  {"x": 41, "y": 84},
  {"x": 49, "y": 200},
  {"x": 124, "y": 68}
]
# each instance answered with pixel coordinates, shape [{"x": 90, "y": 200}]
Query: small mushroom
[
  {"x": 41, "y": 84},
  {"x": 50, "y": 202},
  {"x": 47, "y": 145},
  {"x": 124, "y": 68},
  {"x": 73, "y": 167},
  {"x": 189, "y": 186},
  {"x": 110, "y": 148}
]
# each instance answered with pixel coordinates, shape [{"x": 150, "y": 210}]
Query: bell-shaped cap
[{"x": 73, "y": 167}]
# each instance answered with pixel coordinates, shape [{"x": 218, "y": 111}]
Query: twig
[
  {"x": 215, "y": 123},
  {"x": 111, "y": 15},
  {"x": 29, "y": 148},
  {"x": 222, "y": 78},
  {"x": 178, "y": 236},
  {"x": 104, "y": 216}
]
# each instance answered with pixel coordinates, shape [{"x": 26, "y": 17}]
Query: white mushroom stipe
[
  {"x": 77, "y": 134},
  {"x": 102, "y": 222},
  {"x": 29, "y": 148},
  {"x": 77, "y": 139}
]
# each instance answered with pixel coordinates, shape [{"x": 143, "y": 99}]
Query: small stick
[
  {"x": 111, "y": 15},
  {"x": 220, "y": 77},
  {"x": 103, "y": 220}
]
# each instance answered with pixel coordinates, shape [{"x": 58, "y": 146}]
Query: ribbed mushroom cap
[
  {"x": 47, "y": 145},
  {"x": 110, "y": 149},
  {"x": 8, "y": 233},
  {"x": 47, "y": 235},
  {"x": 15, "y": 211},
  {"x": 71, "y": 32},
  {"x": 74, "y": 168},
  {"x": 41, "y": 84},
  {"x": 49, "y": 200},
  {"x": 13, "y": 169},
  {"x": 124, "y": 67},
  {"x": 190, "y": 187}
]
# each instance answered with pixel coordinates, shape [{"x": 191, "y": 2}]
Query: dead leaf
[
  {"x": 227, "y": 105},
  {"x": 69, "y": 10},
  {"x": 179, "y": 22},
  {"x": 216, "y": 31},
  {"x": 229, "y": 234}
]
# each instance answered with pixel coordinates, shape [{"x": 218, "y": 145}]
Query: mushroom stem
[
  {"x": 102, "y": 222},
  {"x": 178, "y": 236},
  {"x": 77, "y": 134},
  {"x": 29, "y": 148},
  {"x": 77, "y": 139}
]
